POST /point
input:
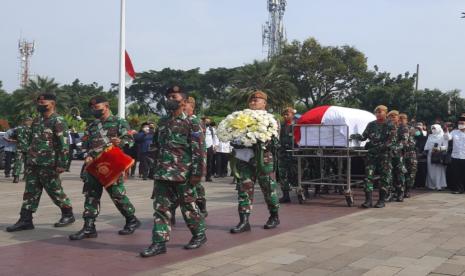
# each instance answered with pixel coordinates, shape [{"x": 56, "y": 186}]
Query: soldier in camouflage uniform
[
  {"x": 180, "y": 165},
  {"x": 106, "y": 129},
  {"x": 382, "y": 136},
  {"x": 410, "y": 155},
  {"x": 46, "y": 160},
  {"x": 287, "y": 164},
  {"x": 253, "y": 170},
  {"x": 397, "y": 155},
  {"x": 23, "y": 133}
]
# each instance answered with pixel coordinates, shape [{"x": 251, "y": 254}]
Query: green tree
[
  {"x": 322, "y": 74},
  {"x": 266, "y": 76}
]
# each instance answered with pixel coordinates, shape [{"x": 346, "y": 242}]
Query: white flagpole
[{"x": 122, "y": 68}]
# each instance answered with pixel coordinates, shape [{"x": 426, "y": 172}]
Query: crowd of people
[{"x": 182, "y": 149}]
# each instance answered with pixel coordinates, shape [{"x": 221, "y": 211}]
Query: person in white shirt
[
  {"x": 223, "y": 150},
  {"x": 457, "y": 136},
  {"x": 436, "y": 177},
  {"x": 211, "y": 140}
]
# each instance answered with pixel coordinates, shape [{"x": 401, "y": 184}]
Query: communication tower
[
  {"x": 26, "y": 49},
  {"x": 273, "y": 31}
]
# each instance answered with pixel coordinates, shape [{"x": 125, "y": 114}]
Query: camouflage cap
[
  {"x": 381, "y": 107},
  {"x": 258, "y": 94},
  {"x": 174, "y": 89},
  {"x": 289, "y": 110},
  {"x": 47, "y": 96},
  {"x": 393, "y": 113},
  {"x": 97, "y": 99},
  {"x": 403, "y": 116},
  {"x": 191, "y": 101}
]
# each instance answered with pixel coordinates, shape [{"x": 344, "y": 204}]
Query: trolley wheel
[{"x": 350, "y": 200}]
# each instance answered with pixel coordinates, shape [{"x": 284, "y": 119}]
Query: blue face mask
[{"x": 417, "y": 133}]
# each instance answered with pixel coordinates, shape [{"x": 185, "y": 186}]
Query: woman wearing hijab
[{"x": 436, "y": 177}]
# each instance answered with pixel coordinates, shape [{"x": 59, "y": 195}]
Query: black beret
[
  {"x": 97, "y": 100},
  {"x": 174, "y": 89},
  {"x": 47, "y": 96},
  {"x": 461, "y": 119}
]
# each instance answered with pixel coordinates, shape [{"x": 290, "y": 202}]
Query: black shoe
[
  {"x": 382, "y": 197},
  {"x": 286, "y": 198},
  {"x": 400, "y": 196},
  {"x": 24, "y": 222},
  {"x": 368, "y": 200},
  {"x": 87, "y": 231},
  {"x": 272, "y": 222},
  {"x": 196, "y": 242},
  {"x": 208, "y": 179},
  {"x": 457, "y": 192},
  {"x": 132, "y": 223},
  {"x": 67, "y": 218},
  {"x": 202, "y": 204},
  {"x": 243, "y": 225},
  {"x": 15, "y": 179},
  {"x": 153, "y": 250},
  {"x": 173, "y": 217}
]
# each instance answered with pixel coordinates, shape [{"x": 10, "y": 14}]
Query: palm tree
[
  {"x": 28, "y": 95},
  {"x": 266, "y": 76}
]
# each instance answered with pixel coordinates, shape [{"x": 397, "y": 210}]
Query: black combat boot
[
  {"x": 202, "y": 204},
  {"x": 154, "y": 249},
  {"x": 273, "y": 221},
  {"x": 173, "y": 216},
  {"x": 243, "y": 225},
  {"x": 67, "y": 218},
  {"x": 407, "y": 192},
  {"x": 87, "y": 231},
  {"x": 400, "y": 195},
  {"x": 24, "y": 222},
  {"x": 286, "y": 198},
  {"x": 381, "y": 200},
  {"x": 196, "y": 242},
  {"x": 368, "y": 200},
  {"x": 16, "y": 179},
  {"x": 132, "y": 223}
]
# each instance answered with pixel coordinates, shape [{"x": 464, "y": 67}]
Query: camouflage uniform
[
  {"x": 250, "y": 172},
  {"x": 287, "y": 164},
  {"x": 410, "y": 159},
  {"x": 180, "y": 155},
  {"x": 98, "y": 135},
  {"x": 398, "y": 159},
  {"x": 23, "y": 134},
  {"x": 382, "y": 137},
  {"x": 48, "y": 151}
]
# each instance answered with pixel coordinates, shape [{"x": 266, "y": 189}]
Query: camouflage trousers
[
  {"x": 38, "y": 179},
  {"x": 287, "y": 171},
  {"x": 411, "y": 164},
  {"x": 93, "y": 193},
  {"x": 378, "y": 163},
  {"x": 167, "y": 194},
  {"x": 398, "y": 172},
  {"x": 248, "y": 175},
  {"x": 200, "y": 189},
  {"x": 19, "y": 163}
]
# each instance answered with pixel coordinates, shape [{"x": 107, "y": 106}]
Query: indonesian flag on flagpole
[{"x": 130, "y": 73}]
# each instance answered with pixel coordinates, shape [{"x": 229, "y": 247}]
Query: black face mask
[
  {"x": 172, "y": 105},
  {"x": 98, "y": 113},
  {"x": 42, "y": 108}
]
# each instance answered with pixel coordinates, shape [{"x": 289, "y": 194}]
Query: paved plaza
[{"x": 422, "y": 236}]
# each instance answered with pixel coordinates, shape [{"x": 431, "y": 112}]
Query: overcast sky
[{"x": 79, "y": 39}]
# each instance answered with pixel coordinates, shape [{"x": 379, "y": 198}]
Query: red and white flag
[{"x": 130, "y": 73}]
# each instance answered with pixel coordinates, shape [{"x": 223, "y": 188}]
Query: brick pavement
[{"x": 422, "y": 236}]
